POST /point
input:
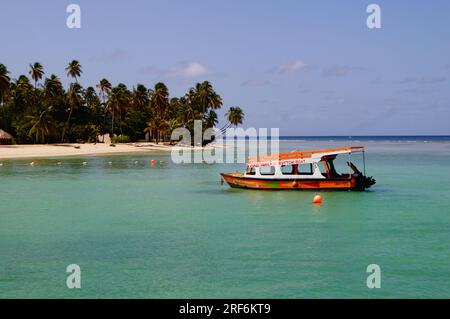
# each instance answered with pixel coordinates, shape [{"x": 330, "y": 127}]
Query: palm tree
[
  {"x": 24, "y": 94},
  {"x": 92, "y": 102},
  {"x": 140, "y": 98},
  {"x": 74, "y": 69},
  {"x": 42, "y": 127},
  {"x": 159, "y": 98},
  {"x": 192, "y": 110},
  {"x": 156, "y": 127},
  {"x": 53, "y": 87},
  {"x": 126, "y": 103},
  {"x": 4, "y": 83},
  {"x": 74, "y": 99},
  {"x": 235, "y": 116},
  {"x": 120, "y": 100},
  {"x": 36, "y": 72},
  {"x": 176, "y": 108},
  {"x": 105, "y": 88},
  {"x": 90, "y": 96},
  {"x": 112, "y": 104},
  {"x": 211, "y": 119},
  {"x": 53, "y": 97},
  {"x": 171, "y": 125},
  {"x": 148, "y": 129},
  {"x": 207, "y": 97}
]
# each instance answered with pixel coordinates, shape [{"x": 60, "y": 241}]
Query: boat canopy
[{"x": 299, "y": 157}]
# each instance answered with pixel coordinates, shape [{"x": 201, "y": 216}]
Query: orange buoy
[
  {"x": 152, "y": 162},
  {"x": 317, "y": 199}
]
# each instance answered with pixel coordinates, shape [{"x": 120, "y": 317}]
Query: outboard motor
[{"x": 364, "y": 182}]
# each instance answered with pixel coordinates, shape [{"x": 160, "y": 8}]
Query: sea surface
[{"x": 173, "y": 231}]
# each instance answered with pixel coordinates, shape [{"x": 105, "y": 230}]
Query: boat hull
[{"x": 241, "y": 181}]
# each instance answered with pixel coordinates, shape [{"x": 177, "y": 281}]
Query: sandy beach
[{"x": 56, "y": 150}]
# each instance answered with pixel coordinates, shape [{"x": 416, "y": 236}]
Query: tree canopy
[{"x": 40, "y": 110}]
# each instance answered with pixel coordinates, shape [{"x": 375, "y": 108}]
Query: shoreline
[
  {"x": 30, "y": 151},
  {"x": 75, "y": 149}
]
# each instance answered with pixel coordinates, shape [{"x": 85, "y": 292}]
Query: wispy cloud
[
  {"x": 151, "y": 70},
  {"x": 426, "y": 90},
  {"x": 376, "y": 80},
  {"x": 116, "y": 55},
  {"x": 188, "y": 70},
  {"x": 423, "y": 80},
  {"x": 255, "y": 83},
  {"x": 181, "y": 70},
  {"x": 290, "y": 67},
  {"x": 339, "y": 71}
]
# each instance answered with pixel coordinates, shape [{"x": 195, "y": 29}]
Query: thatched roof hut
[{"x": 5, "y": 138}]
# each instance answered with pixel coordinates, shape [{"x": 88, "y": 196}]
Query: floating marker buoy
[
  {"x": 109, "y": 163},
  {"x": 59, "y": 163},
  {"x": 152, "y": 162},
  {"x": 84, "y": 163},
  {"x": 161, "y": 162},
  {"x": 136, "y": 162},
  {"x": 317, "y": 199},
  {"x": 32, "y": 164},
  {"x": 1, "y": 164}
]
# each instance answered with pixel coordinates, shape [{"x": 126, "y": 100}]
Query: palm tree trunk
[
  {"x": 66, "y": 125},
  {"x": 120, "y": 121},
  {"x": 112, "y": 123},
  {"x": 225, "y": 127}
]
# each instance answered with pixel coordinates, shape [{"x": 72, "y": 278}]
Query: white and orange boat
[{"x": 301, "y": 170}]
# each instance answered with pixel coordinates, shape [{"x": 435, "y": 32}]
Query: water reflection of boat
[{"x": 300, "y": 170}]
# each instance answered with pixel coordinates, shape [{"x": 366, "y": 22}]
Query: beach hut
[{"x": 5, "y": 138}]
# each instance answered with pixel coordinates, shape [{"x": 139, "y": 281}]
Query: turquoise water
[{"x": 173, "y": 231}]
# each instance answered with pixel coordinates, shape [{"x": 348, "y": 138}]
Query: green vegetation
[
  {"x": 120, "y": 139},
  {"x": 41, "y": 110}
]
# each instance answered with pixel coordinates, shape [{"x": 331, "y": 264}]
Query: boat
[{"x": 301, "y": 170}]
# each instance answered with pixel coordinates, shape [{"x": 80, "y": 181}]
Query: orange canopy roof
[{"x": 298, "y": 155}]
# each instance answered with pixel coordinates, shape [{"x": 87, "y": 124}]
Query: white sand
[{"x": 55, "y": 150}]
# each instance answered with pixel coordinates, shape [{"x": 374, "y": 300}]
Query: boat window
[
  {"x": 250, "y": 171},
  {"x": 323, "y": 166},
  {"x": 332, "y": 166},
  {"x": 305, "y": 169},
  {"x": 288, "y": 169},
  {"x": 267, "y": 170},
  {"x": 340, "y": 165}
]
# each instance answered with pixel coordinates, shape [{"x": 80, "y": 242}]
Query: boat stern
[{"x": 364, "y": 182}]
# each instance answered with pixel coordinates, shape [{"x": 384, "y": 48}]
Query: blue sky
[{"x": 307, "y": 67}]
